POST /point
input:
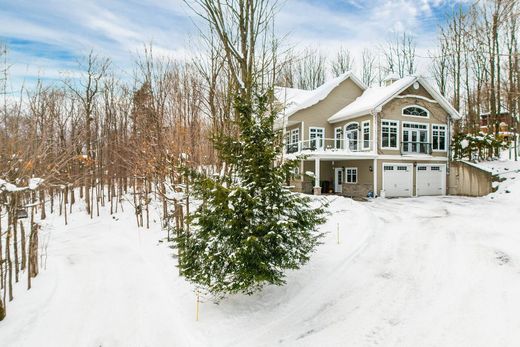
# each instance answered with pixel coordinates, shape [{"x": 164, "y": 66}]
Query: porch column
[
  {"x": 317, "y": 188},
  {"x": 374, "y": 171}
]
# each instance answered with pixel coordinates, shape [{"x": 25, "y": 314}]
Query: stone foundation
[{"x": 356, "y": 190}]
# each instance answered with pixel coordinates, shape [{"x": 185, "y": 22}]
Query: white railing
[{"x": 320, "y": 144}]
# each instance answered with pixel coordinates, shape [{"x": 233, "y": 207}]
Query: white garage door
[
  {"x": 397, "y": 179},
  {"x": 431, "y": 179}
]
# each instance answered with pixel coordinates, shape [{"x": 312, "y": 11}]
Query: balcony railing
[
  {"x": 319, "y": 144},
  {"x": 416, "y": 148}
]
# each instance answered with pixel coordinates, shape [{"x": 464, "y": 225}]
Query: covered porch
[{"x": 353, "y": 175}]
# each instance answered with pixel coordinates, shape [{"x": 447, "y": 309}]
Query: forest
[{"x": 102, "y": 137}]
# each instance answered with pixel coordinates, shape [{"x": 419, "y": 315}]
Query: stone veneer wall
[{"x": 356, "y": 190}]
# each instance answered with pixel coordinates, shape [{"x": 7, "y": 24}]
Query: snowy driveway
[{"x": 439, "y": 271}]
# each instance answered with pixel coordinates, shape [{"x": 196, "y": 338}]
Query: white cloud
[{"x": 120, "y": 28}]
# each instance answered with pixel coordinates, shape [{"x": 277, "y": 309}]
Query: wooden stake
[
  {"x": 337, "y": 232},
  {"x": 197, "y": 308}
]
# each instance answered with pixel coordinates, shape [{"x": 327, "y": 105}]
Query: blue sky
[{"x": 46, "y": 38}]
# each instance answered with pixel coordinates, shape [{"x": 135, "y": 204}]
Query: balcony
[
  {"x": 328, "y": 145},
  {"x": 410, "y": 148}
]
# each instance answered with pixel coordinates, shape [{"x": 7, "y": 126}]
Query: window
[
  {"x": 316, "y": 136},
  {"x": 295, "y": 136},
  {"x": 415, "y": 138},
  {"x": 351, "y": 175},
  {"x": 366, "y": 135},
  {"x": 415, "y": 111},
  {"x": 389, "y": 134},
  {"x": 439, "y": 137},
  {"x": 402, "y": 168},
  {"x": 338, "y": 134},
  {"x": 389, "y": 168},
  {"x": 352, "y": 136}
]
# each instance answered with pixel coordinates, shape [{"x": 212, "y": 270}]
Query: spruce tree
[{"x": 249, "y": 228}]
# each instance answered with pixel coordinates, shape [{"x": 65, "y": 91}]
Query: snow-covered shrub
[{"x": 476, "y": 147}]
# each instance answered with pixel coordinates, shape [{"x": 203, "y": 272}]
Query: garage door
[
  {"x": 397, "y": 179},
  {"x": 431, "y": 179}
]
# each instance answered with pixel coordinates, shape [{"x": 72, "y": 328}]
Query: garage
[
  {"x": 431, "y": 179},
  {"x": 397, "y": 180}
]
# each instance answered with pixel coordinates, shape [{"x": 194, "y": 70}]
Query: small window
[
  {"x": 421, "y": 168},
  {"x": 389, "y": 168},
  {"x": 436, "y": 168},
  {"x": 295, "y": 136},
  {"x": 366, "y": 135},
  {"x": 351, "y": 175},
  {"x": 338, "y": 138},
  {"x": 415, "y": 111},
  {"x": 402, "y": 168}
]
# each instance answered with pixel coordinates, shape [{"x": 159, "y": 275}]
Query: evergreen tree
[{"x": 250, "y": 228}]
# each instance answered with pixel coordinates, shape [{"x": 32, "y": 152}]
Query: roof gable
[
  {"x": 376, "y": 97},
  {"x": 308, "y": 98}
]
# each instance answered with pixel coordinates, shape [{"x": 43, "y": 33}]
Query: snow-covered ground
[{"x": 431, "y": 271}]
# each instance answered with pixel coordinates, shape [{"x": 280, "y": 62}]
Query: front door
[{"x": 338, "y": 179}]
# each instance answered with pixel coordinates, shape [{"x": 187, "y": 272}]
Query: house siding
[
  {"x": 317, "y": 115},
  {"x": 393, "y": 111}
]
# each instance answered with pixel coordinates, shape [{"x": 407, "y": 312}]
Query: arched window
[{"x": 415, "y": 111}]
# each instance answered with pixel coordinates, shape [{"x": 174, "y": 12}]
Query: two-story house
[{"x": 388, "y": 141}]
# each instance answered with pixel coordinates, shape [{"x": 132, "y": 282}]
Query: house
[
  {"x": 356, "y": 141},
  {"x": 506, "y": 123}
]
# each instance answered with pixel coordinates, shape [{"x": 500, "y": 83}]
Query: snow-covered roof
[
  {"x": 290, "y": 96},
  {"x": 503, "y": 110},
  {"x": 374, "y": 98},
  {"x": 302, "y": 99}
]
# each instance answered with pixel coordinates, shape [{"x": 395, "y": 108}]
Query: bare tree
[
  {"x": 310, "y": 70},
  {"x": 399, "y": 54},
  {"x": 342, "y": 62},
  {"x": 368, "y": 67}
]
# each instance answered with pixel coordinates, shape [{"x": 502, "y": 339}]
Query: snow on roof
[
  {"x": 375, "y": 97},
  {"x": 503, "y": 110},
  {"x": 370, "y": 99},
  {"x": 290, "y": 96},
  {"x": 312, "y": 97}
]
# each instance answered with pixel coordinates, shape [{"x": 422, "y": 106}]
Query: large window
[
  {"x": 366, "y": 134},
  {"x": 415, "y": 111},
  {"x": 439, "y": 137},
  {"x": 415, "y": 138},
  {"x": 316, "y": 137},
  {"x": 389, "y": 134},
  {"x": 351, "y": 175}
]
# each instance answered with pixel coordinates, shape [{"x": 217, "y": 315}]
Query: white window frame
[
  {"x": 322, "y": 139},
  {"x": 345, "y": 177},
  {"x": 417, "y": 106},
  {"x": 345, "y": 135},
  {"x": 419, "y": 123},
  {"x": 365, "y": 125},
  {"x": 397, "y": 133},
  {"x": 340, "y": 138},
  {"x": 445, "y": 126}
]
